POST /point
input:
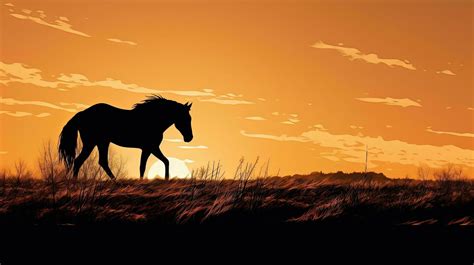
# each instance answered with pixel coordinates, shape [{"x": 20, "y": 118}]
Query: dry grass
[{"x": 249, "y": 197}]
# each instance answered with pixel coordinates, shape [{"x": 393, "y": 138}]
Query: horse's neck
[{"x": 158, "y": 123}]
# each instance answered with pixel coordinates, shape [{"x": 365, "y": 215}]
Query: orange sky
[{"x": 304, "y": 84}]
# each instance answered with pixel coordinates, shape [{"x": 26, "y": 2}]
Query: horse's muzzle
[{"x": 188, "y": 139}]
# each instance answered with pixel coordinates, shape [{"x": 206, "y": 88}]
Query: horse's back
[{"x": 101, "y": 117}]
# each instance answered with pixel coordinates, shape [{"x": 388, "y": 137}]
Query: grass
[{"x": 250, "y": 197}]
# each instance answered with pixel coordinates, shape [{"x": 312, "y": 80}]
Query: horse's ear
[{"x": 188, "y": 105}]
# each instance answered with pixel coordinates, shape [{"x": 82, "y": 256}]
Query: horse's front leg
[{"x": 157, "y": 152}]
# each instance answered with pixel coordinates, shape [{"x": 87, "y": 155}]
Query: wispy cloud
[
  {"x": 255, "y": 118},
  {"x": 81, "y": 80},
  {"x": 173, "y": 140},
  {"x": 11, "y": 102},
  {"x": 354, "y": 54},
  {"x": 39, "y": 17},
  {"x": 123, "y": 41},
  {"x": 281, "y": 138},
  {"x": 319, "y": 127},
  {"x": 60, "y": 23},
  {"x": 288, "y": 122},
  {"x": 356, "y": 127},
  {"x": 451, "y": 133},
  {"x": 401, "y": 102},
  {"x": 228, "y": 101},
  {"x": 446, "y": 72},
  {"x": 291, "y": 121},
  {"x": 351, "y": 148},
  {"x": 75, "y": 105},
  {"x": 19, "y": 114},
  {"x": 21, "y": 73},
  {"x": 193, "y": 147}
]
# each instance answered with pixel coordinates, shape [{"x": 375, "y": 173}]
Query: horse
[{"x": 140, "y": 127}]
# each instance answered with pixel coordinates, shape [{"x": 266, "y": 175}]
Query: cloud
[
  {"x": 287, "y": 122},
  {"x": 62, "y": 23},
  {"x": 21, "y": 73},
  {"x": 401, "y": 102},
  {"x": 193, "y": 147},
  {"x": 19, "y": 114},
  {"x": 174, "y": 140},
  {"x": 261, "y": 99},
  {"x": 3, "y": 152},
  {"x": 39, "y": 18},
  {"x": 11, "y": 102},
  {"x": 228, "y": 101},
  {"x": 319, "y": 127},
  {"x": 81, "y": 80},
  {"x": 75, "y": 105},
  {"x": 451, "y": 133},
  {"x": 446, "y": 72},
  {"x": 123, "y": 41},
  {"x": 351, "y": 148},
  {"x": 354, "y": 54},
  {"x": 255, "y": 118},
  {"x": 388, "y": 126},
  {"x": 276, "y": 113},
  {"x": 291, "y": 121},
  {"x": 470, "y": 108},
  {"x": 281, "y": 138},
  {"x": 356, "y": 127}
]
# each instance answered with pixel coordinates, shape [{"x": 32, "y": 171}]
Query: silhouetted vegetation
[{"x": 251, "y": 196}]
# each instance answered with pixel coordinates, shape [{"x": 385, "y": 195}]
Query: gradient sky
[{"x": 305, "y": 84}]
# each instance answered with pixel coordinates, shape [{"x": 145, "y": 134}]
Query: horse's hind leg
[
  {"x": 104, "y": 159},
  {"x": 143, "y": 159},
  {"x": 85, "y": 152}
]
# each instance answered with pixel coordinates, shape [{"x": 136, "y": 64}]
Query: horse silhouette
[{"x": 140, "y": 127}]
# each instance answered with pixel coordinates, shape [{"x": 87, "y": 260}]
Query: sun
[{"x": 178, "y": 169}]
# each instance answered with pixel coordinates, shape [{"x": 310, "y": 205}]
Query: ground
[{"x": 338, "y": 198}]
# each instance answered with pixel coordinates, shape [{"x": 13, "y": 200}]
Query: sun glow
[{"x": 178, "y": 169}]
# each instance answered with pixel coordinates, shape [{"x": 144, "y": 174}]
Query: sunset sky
[{"x": 306, "y": 84}]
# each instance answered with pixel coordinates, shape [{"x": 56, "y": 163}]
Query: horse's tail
[{"x": 68, "y": 142}]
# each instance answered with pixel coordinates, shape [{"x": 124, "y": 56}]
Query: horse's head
[{"x": 183, "y": 122}]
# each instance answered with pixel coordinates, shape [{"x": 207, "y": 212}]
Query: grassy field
[{"x": 336, "y": 198}]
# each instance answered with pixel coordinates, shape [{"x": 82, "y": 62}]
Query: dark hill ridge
[{"x": 344, "y": 178}]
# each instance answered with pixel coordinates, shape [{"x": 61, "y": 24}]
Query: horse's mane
[{"x": 156, "y": 102}]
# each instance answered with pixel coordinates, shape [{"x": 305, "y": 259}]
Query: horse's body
[{"x": 141, "y": 127}]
